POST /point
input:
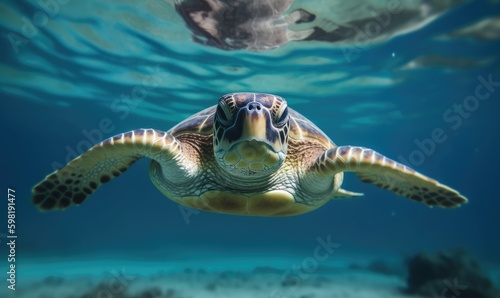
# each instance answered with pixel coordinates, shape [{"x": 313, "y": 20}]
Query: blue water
[{"x": 89, "y": 67}]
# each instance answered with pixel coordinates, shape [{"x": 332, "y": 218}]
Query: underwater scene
[{"x": 250, "y": 148}]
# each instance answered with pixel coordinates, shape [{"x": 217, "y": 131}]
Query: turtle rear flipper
[
  {"x": 73, "y": 183},
  {"x": 373, "y": 167},
  {"x": 345, "y": 194}
]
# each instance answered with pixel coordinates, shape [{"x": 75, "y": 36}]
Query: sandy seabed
[
  {"x": 212, "y": 277},
  {"x": 200, "y": 283}
]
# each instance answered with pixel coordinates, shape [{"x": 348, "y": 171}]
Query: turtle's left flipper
[
  {"x": 73, "y": 183},
  {"x": 373, "y": 167}
]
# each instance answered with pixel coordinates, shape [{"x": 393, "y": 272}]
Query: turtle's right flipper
[
  {"x": 73, "y": 183},
  {"x": 373, "y": 167}
]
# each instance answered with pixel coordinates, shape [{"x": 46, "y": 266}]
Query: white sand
[
  {"x": 212, "y": 277},
  {"x": 217, "y": 284}
]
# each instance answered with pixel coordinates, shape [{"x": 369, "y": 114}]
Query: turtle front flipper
[
  {"x": 73, "y": 183},
  {"x": 373, "y": 167}
]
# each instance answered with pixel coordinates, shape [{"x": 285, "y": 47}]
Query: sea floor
[{"x": 213, "y": 277}]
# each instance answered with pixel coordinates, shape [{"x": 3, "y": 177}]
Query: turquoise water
[{"x": 92, "y": 69}]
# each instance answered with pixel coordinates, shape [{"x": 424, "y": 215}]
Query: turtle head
[{"x": 251, "y": 133}]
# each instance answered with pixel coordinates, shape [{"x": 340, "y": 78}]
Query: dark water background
[{"x": 57, "y": 87}]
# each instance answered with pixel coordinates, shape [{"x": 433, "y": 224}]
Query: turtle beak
[{"x": 254, "y": 124}]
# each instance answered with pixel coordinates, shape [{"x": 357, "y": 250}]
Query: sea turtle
[{"x": 248, "y": 155}]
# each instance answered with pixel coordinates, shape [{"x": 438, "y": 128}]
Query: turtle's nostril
[{"x": 254, "y": 105}]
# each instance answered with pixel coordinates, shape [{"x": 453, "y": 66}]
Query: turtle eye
[
  {"x": 223, "y": 113},
  {"x": 282, "y": 115}
]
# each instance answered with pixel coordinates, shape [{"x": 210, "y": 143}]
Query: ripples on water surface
[{"x": 97, "y": 50}]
